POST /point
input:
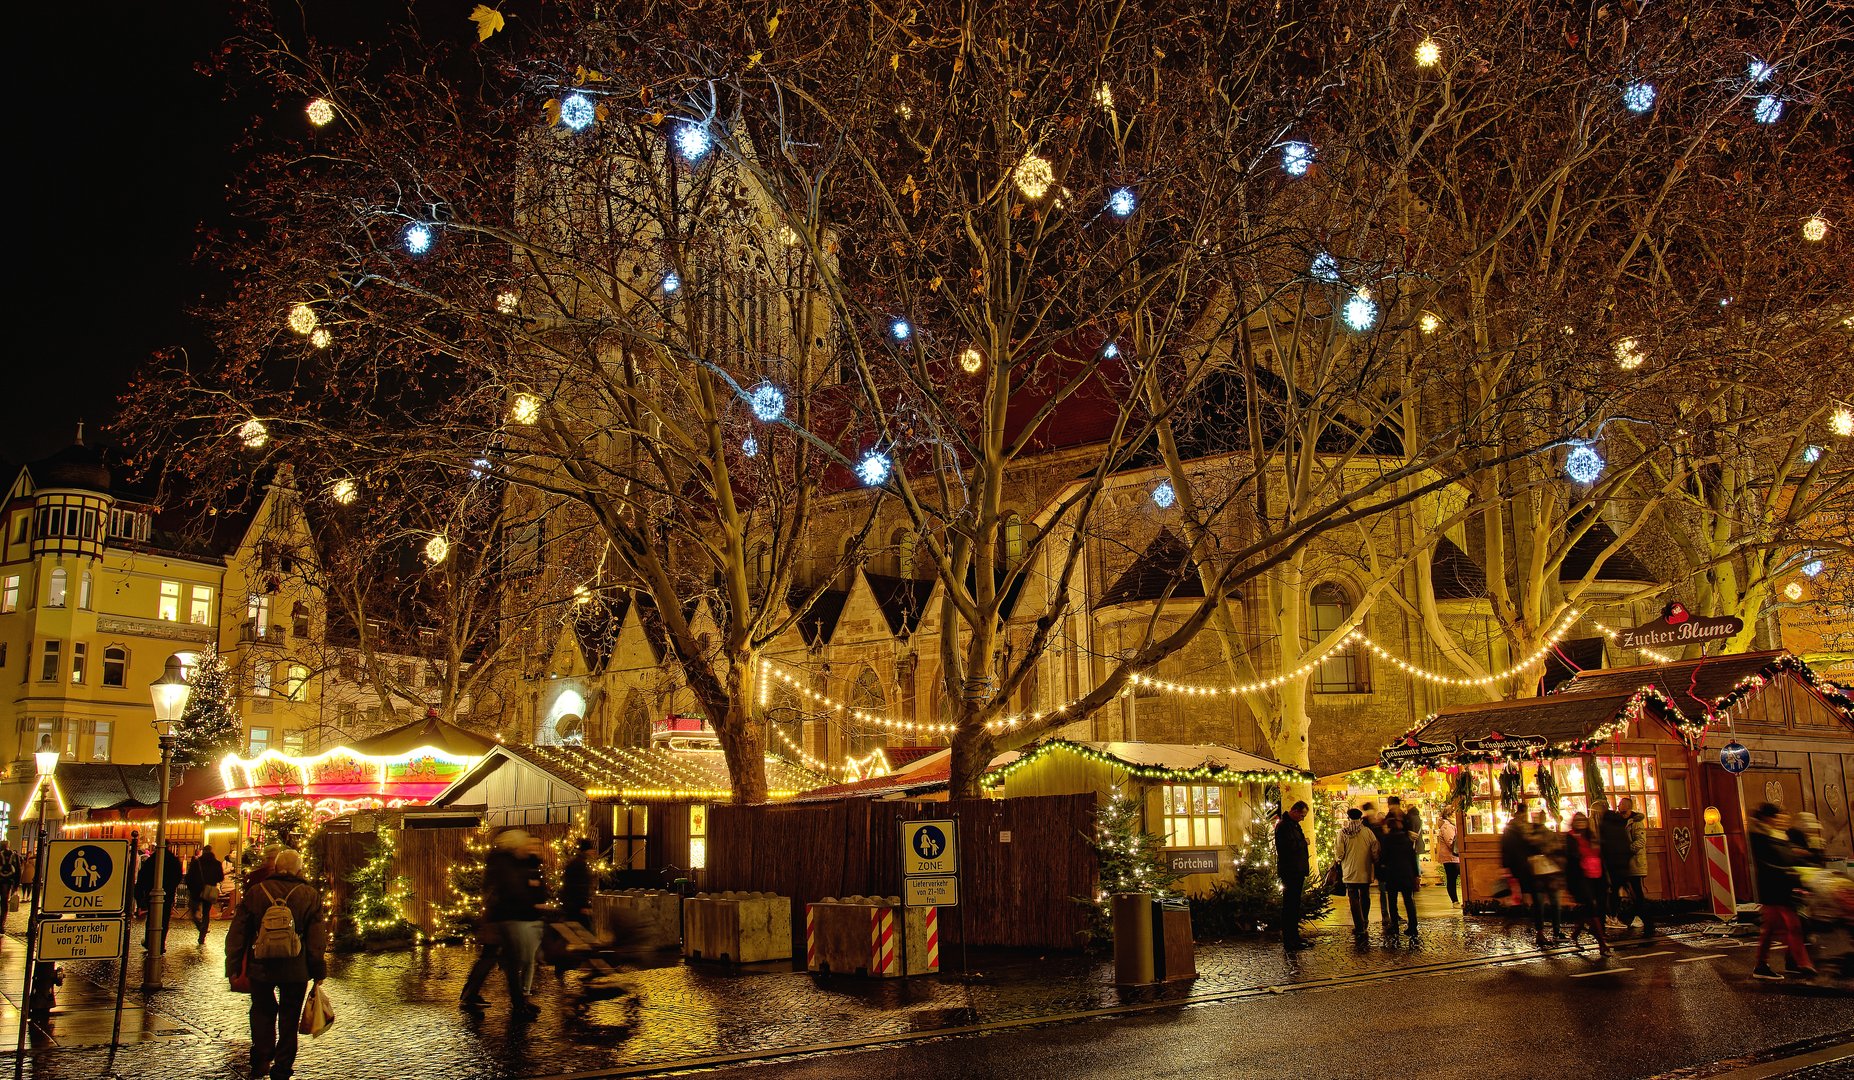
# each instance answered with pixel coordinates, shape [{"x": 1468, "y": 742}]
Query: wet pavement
[{"x": 397, "y": 1014}]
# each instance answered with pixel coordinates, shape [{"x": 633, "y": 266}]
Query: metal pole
[
  {"x": 122, "y": 973},
  {"x": 32, "y": 933},
  {"x": 959, "y": 860},
  {"x": 155, "y": 946}
]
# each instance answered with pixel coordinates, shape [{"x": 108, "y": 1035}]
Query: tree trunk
[
  {"x": 743, "y": 739},
  {"x": 973, "y": 748}
]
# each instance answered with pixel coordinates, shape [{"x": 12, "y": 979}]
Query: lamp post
[
  {"x": 37, "y": 988},
  {"x": 170, "y": 700}
]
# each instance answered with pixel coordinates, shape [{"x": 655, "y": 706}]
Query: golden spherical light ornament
[
  {"x": 508, "y": 302},
  {"x": 1034, "y": 176},
  {"x": 1815, "y": 230},
  {"x": 971, "y": 361},
  {"x": 1630, "y": 354},
  {"x": 1841, "y": 421},
  {"x": 344, "y": 491},
  {"x": 1429, "y": 322},
  {"x": 319, "y": 111},
  {"x": 1428, "y": 53},
  {"x": 1793, "y": 591},
  {"x": 525, "y": 409},
  {"x": 253, "y": 434},
  {"x": 320, "y": 337},
  {"x": 437, "y": 549},
  {"x": 302, "y": 319}
]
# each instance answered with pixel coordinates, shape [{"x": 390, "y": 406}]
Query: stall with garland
[
  {"x": 1653, "y": 734},
  {"x": 1200, "y": 800}
]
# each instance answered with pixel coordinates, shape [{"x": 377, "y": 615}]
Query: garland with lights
[
  {"x": 462, "y": 917},
  {"x": 374, "y": 913},
  {"x": 1206, "y": 773}
]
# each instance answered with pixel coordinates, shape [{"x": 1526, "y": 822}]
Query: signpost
[
  {"x": 1734, "y": 758},
  {"x": 930, "y": 872},
  {"x": 81, "y": 938},
  {"x": 1678, "y": 626},
  {"x": 88, "y": 877}
]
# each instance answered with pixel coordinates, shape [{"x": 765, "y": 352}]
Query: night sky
[{"x": 124, "y": 149}]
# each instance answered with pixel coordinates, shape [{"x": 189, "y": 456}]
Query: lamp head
[
  {"x": 46, "y": 756},
  {"x": 170, "y": 695}
]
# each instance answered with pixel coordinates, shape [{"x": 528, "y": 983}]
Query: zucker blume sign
[{"x": 1678, "y": 626}]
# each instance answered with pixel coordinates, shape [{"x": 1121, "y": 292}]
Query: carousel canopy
[{"x": 427, "y": 732}]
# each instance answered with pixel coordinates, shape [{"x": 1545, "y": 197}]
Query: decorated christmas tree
[
  {"x": 1250, "y": 901},
  {"x": 210, "y": 726},
  {"x": 1130, "y": 859},
  {"x": 461, "y": 917},
  {"x": 376, "y": 904}
]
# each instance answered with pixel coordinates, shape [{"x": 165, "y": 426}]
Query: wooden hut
[
  {"x": 648, "y": 805},
  {"x": 1654, "y": 734},
  {"x": 1200, "y": 798}
]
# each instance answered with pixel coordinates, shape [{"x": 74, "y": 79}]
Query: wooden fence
[{"x": 1023, "y": 861}]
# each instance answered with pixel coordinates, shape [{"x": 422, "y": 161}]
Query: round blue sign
[
  {"x": 1734, "y": 758},
  {"x": 85, "y": 869},
  {"x": 929, "y": 842}
]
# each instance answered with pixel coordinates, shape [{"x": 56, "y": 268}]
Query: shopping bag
[
  {"x": 241, "y": 982},
  {"x": 318, "y": 1014}
]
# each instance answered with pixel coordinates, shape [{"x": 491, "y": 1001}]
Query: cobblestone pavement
[{"x": 397, "y": 1015}]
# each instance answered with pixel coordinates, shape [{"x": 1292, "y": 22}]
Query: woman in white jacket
[{"x": 1357, "y": 849}]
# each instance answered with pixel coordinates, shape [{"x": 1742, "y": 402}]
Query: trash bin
[
  {"x": 1174, "y": 951},
  {"x": 1135, "y": 961}
]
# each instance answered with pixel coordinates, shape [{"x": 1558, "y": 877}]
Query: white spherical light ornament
[
  {"x": 672, "y": 283},
  {"x": 302, "y": 319},
  {"x": 900, "y": 330},
  {"x": 1811, "y": 454},
  {"x": 1111, "y": 351},
  {"x": 1034, "y": 176},
  {"x": 1164, "y": 495},
  {"x": 479, "y": 468},
  {"x": 1815, "y": 229},
  {"x": 418, "y": 238},
  {"x": 577, "y": 111},
  {"x": 1759, "y": 72},
  {"x": 693, "y": 141},
  {"x": 1638, "y": 97},
  {"x": 1769, "y": 109},
  {"x": 253, "y": 434},
  {"x": 437, "y": 549},
  {"x": 750, "y": 446},
  {"x": 1296, "y": 158},
  {"x": 1325, "y": 267},
  {"x": 872, "y": 468},
  {"x": 767, "y": 402},
  {"x": 1122, "y": 202},
  {"x": 1583, "y": 464},
  {"x": 1360, "y": 312},
  {"x": 320, "y": 112},
  {"x": 1813, "y": 567}
]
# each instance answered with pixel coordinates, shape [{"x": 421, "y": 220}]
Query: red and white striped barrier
[
  {"x": 864, "y": 935},
  {"x": 882, "y": 941},
  {"x": 933, "y": 939},
  {"x": 1719, "y": 877},
  {"x": 811, "y": 937}
]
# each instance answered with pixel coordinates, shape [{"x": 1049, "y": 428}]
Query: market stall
[{"x": 1653, "y": 734}]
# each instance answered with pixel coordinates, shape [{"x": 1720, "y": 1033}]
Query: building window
[
  {"x": 299, "y": 678},
  {"x": 169, "y": 610},
  {"x": 115, "y": 666},
  {"x": 904, "y": 553},
  {"x": 54, "y": 595},
  {"x": 80, "y": 653},
  {"x": 1344, "y": 671},
  {"x": 698, "y": 837},
  {"x": 630, "y": 833},
  {"x": 1192, "y": 815},
  {"x": 349, "y": 669},
  {"x": 762, "y": 562},
  {"x": 200, "y": 613},
  {"x": 9, "y": 593},
  {"x": 295, "y": 742},
  {"x": 53, "y": 658},
  {"x": 2, "y": 654},
  {"x": 1011, "y": 539},
  {"x": 99, "y": 741},
  {"x": 260, "y": 741},
  {"x": 257, "y": 617},
  {"x": 260, "y": 679},
  {"x": 299, "y": 619},
  {"x": 1635, "y": 777},
  {"x": 70, "y": 739},
  {"x": 83, "y": 591},
  {"x": 19, "y": 527}
]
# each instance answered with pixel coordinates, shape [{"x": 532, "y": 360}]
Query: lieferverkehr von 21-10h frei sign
[{"x": 1678, "y": 626}]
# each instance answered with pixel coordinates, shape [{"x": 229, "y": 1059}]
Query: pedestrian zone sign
[
  {"x": 88, "y": 877},
  {"x": 81, "y": 939},
  {"x": 927, "y": 848}
]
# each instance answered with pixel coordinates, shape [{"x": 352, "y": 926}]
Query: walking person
[
  {"x": 9, "y": 876},
  {"x": 1357, "y": 851},
  {"x": 1776, "y": 860},
  {"x": 1375, "y": 822},
  {"x": 1547, "y": 879},
  {"x": 1413, "y": 824},
  {"x": 279, "y": 941},
  {"x": 1637, "y": 879},
  {"x": 1584, "y": 881},
  {"x": 1448, "y": 857},
  {"x": 171, "y": 880},
  {"x": 576, "y": 885},
  {"x": 1397, "y": 873},
  {"x": 514, "y": 891},
  {"x": 204, "y": 874},
  {"x": 1292, "y": 865}
]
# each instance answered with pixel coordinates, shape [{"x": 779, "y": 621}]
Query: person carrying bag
[{"x": 278, "y": 944}]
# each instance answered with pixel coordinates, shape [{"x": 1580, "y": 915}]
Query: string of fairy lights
[{"x": 796, "y": 681}]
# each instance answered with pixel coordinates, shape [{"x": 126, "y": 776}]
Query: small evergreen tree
[
  {"x": 1250, "y": 900},
  {"x": 210, "y": 725},
  {"x": 462, "y": 916},
  {"x": 1130, "y": 860},
  {"x": 375, "y": 907}
]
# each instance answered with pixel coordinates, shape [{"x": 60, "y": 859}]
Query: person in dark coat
[
  {"x": 1397, "y": 872},
  {"x": 278, "y": 984},
  {"x": 514, "y": 893},
  {"x": 204, "y": 874},
  {"x": 1777, "y": 859},
  {"x": 1292, "y": 865},
  {"x": 576, "y": 886},
  {"x": 1612, "y": 829},
  {"x": 1516, "y": 851},
  {"x": 171, "y": 879}
]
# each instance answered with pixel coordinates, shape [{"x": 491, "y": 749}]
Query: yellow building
[{"x": 94, "y": 601}]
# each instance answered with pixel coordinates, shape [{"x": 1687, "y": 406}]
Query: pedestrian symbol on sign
[
  {"x": 929, "y": 842},
  {"x": 85, "y": 869}
]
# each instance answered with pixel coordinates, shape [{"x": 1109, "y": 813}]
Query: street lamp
[
  {"x": 170, "y": 700},
  {"x": 40, "y": 978}
]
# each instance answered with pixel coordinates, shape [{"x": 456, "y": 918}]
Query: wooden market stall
[
  {"x": 1201, "y": 799},
  {"x": 1654, "y": 734}
]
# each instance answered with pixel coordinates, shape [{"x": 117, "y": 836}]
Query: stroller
[
  {"x": 603, "y": 961},
  {"x": 1827, "y": 911}
]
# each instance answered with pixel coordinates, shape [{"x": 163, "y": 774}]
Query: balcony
[
  {"x": 155, "y": 628},
  {"x": 252, "y": 633}
]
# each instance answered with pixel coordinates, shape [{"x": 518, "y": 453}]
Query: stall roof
[
  {"x": 97, "y": 786},
  {"x": 1159, "y": 761},
  {"x": 634, "y": 773},
  {"x": 1708, "y": 684}
]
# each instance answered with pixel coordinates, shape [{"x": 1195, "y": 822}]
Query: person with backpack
[
  {"x": 277, "y": 945},
  {"x": 204, "y": 874}
]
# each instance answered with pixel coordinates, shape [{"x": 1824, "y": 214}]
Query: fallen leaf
[
  {"x": 488, "y": 20},
  {"x": 552, "y": 108},
  {"x": 753, "y": 59},
  {"x": 772, "y": 25}
]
